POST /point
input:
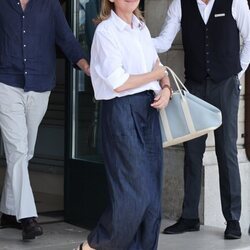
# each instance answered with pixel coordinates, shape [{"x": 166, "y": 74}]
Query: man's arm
[
  {"x": 66, "y": 40},
  {"x": 170, "y": 28},
  {"x": 241, "y": 13}
]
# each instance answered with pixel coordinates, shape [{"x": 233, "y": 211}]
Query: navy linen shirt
[{"x": 27, "y": 43}]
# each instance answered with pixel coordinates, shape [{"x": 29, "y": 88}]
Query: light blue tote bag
[{"x": 186, "y": 117}]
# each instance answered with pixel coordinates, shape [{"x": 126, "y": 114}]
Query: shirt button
[
  {"x": 24, "y": 45},
  {"x": 208, "y": 70},
  {"x": 25, "y": 72},
  {"x": 24, "y": 31},
  {"x": 23, "y": 16},
  {"x": 208, "y": 61},
  {"x": 18, "y": 3},
  {"x": 25, "y": 59}
]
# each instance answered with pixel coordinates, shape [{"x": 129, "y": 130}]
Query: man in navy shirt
[{"x": 29, "y": 30}]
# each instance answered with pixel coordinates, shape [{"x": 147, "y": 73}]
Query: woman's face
[{"x": 125, "y": 6}]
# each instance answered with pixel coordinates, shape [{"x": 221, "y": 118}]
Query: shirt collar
[
  {"x": 122, "y": 25},
  {"x": 201, "y": 2}
]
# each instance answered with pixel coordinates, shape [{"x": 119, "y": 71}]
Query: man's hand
[{"x": 84, "y": 66}]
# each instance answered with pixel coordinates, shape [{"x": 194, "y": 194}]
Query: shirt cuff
[
  {"x": 241, "y": 73},
  {"x": 117, "y": 78}
]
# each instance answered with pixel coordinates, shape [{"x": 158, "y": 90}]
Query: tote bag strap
[
  {"x": 177, "y": 80},
  {"x": 184, "y": 103}
]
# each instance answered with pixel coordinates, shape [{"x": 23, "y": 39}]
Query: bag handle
[
  {"x": 184, "y": 103},
  {"x": 177, "y": 81}
]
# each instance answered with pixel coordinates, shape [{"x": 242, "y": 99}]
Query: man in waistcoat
[
  {"x": 29, "y": 33},
  {"x": 214, "y": 63}
]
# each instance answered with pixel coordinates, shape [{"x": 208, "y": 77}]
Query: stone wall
[{"x": 210, "y": 207}]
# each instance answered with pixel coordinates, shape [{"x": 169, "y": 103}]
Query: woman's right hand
[{"x": 159, "y": 70}]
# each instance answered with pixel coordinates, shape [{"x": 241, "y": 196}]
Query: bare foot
[{"x": 84, "y": 246}]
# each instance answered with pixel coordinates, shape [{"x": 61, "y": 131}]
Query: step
[{"x": 64, "y": 236}]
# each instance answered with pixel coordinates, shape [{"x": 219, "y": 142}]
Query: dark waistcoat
[{"x": 211, "y": 49}]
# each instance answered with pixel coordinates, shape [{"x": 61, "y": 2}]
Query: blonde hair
[{"x": 107, "y": 6}]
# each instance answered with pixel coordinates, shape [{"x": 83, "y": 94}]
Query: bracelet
[{"x": 169, "y": 88}]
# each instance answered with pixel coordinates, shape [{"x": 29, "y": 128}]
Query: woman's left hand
[{"x": 162, "y": 99}]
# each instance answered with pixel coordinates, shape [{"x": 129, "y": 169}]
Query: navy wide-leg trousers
[{"x": 132, "y": 152}]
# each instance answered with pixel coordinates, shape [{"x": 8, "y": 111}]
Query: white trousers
[{"x": 20, "y": 115}]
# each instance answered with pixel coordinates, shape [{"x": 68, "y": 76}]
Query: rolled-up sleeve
[
  {"x": 170, "y": 28},
  {"x": 106, "y": 60},
  {"x": 65, "y": 38}
]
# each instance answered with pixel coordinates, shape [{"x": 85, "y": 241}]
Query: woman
[{"x": 125, "y": 72}]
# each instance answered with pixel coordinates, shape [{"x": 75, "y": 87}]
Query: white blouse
[{"x": 119, "y": 51}]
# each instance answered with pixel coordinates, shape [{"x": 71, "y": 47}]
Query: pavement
[{"x": 63, "y": 236}]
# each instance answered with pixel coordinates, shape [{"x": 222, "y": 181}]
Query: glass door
[
  {"x": 85, "y": 186},
  {"x": 85, "y": 109}
]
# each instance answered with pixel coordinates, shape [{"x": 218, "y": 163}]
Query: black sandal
[{"x": 80, "y": 247}]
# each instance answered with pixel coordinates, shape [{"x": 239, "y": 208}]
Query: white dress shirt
[
  {"x": 119, "y": 51},
  {"x": 172, "y": 24}
]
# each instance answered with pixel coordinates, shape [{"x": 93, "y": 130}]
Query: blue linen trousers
[{"x": 132, "y": 152}]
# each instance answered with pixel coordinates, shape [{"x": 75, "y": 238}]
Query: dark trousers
[
  {"x": 225, "y": 96},
  {"x": 132, "y": 151}
]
